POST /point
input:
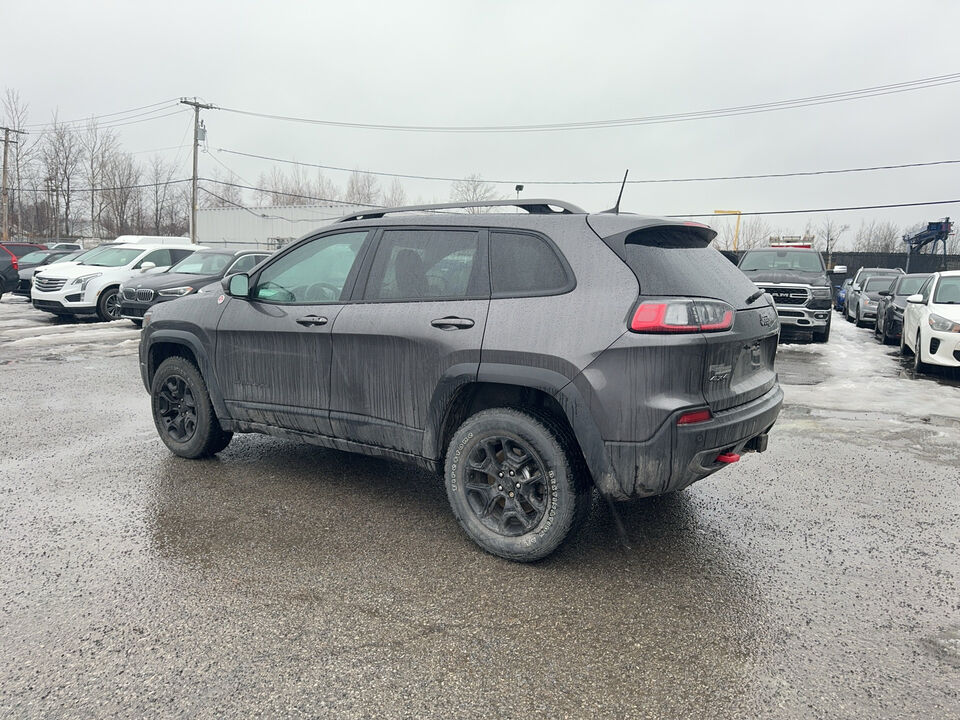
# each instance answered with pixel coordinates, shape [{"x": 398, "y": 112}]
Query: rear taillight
[
  {"x": 16, "y": 263},
  {"x": 681, "y": 315}
]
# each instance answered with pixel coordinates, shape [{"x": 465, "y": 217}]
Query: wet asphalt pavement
[{"x": 818, "y": 580}]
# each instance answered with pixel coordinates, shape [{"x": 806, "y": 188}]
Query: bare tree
[
  {"x": 224, "y": 192},
  {"x": 99, "y": 146},
  {"x": 161, "y": 191},
  {"x": 63, "y": 155},
  {"x": 122, "y": 196},
  {"x": 22, "y": 153},
  {"x": 295, "y": 187},
  {"x": 754, "y": 232},
  {"x": 396, "y": 196},
  {"x": 473, "y": 189},
  {"x": 362, "y": 189},
  {"x": 828, "y": 234}
]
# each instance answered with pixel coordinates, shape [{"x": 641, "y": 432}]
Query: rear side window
[
  {"x": 679, "y": 261},
  {"x": 245, "y": 263},
  {"x": 425, "y": 265},
  {"x": 523, "y": 264}
]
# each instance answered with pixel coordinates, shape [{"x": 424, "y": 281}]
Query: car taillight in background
[{"x": 681, "y": 315}]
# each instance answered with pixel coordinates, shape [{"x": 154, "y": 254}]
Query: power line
[
  {"x": 288, "y": 194},
  {"x": 827, "y": 210},
  {"x": 104, "y": 189},
  {"x": 805, "y": 173},
  {"x": 253, "y": 212},
  {"x": 104, "y": 115},
  {"x": 828, "y": 98}
]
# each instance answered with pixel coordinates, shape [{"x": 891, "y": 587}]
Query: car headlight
[
  {"x": 868, "y": 302},
  {"x": 822, "y": 292},
  {"x": 942, "y": 324},
  {"x": 84, "y": 280},
  {"x": 176, "y": 292}
]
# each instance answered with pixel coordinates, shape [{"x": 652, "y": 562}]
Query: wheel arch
[
  {"x": 164, "y": 344},
  {"x": 523, "y": 388}
]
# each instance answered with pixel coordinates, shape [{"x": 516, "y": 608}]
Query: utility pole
[
  {"x": 3, "y": 183},
  {"x": 197, "y": 107}
]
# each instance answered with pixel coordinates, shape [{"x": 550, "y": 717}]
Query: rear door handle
[
  {"x": 311, "y": 320},
  {"x": 452, "y": 323}
]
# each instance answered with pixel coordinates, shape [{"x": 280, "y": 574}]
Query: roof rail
[{"x": 538, "y": 206}]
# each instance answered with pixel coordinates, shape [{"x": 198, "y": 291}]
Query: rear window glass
[
  {"x": 677, "y": 261},
  {"x": 524, "y": 264}
]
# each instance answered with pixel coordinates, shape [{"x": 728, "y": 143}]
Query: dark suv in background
[
  {"x": 10, "y": 254},
  {"x": 186, "y": 277},
  {"x": 528, "y": 357}
]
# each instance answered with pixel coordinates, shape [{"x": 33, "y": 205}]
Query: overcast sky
[{"x": 510, "y": 63}]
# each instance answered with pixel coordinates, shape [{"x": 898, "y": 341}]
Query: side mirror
[
  {"x": 916, "y": 299},
  {"x": 856, "y": 287},
  {"x": 884, "y": 293},
  {"x": 840, "y": 270},
  {"x": 237, "y": 285},
  {"x": 147, "y": 266}
]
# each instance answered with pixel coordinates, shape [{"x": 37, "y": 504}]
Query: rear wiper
[{"x": 757, "y": 295}]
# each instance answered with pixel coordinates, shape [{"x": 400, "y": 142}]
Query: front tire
[
  {"x": 516, "y": 483},
  {"x": 822, "y": 336},
  {"x": 108, "y": 305},
  {"x": 919, "y": 366},
  {"x": 182, "y": 411}
]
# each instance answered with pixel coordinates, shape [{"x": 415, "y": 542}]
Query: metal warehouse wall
[{"x": 264, "y": 227}]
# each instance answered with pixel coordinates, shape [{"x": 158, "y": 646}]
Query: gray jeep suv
[{"x": 527, "y": 357}]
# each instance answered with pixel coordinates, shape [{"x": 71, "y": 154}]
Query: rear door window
[
  {"x": 677, "y": 261},
  {"x": 426, "y": 265},
  {"x": 522, "y": 264}
]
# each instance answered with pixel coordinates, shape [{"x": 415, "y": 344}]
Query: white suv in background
[{"x": 91, "y": 287}]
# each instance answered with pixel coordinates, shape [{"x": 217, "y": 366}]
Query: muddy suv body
[{"x": 528, "y": 357}]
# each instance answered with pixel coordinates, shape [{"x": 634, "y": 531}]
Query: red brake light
[
  {"x": 682, "y": 315},
  {"x": 16, "y": 263},
  {"x": 694, "y": 416}
]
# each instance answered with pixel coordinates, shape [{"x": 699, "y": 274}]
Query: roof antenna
[{"x": 616, "y": 208}]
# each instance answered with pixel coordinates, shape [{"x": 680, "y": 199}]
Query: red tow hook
[{"x": 728, "y": 458}]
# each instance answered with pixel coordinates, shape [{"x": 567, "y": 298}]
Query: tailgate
[{"x": 739, "y": 364}]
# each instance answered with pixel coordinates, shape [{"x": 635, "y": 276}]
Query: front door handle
[
  {"x": 311, "y": 320},
  {"x": 452, "y": 323}
]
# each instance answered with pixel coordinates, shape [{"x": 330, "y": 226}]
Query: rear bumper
[{"x": 679, "y": 455}]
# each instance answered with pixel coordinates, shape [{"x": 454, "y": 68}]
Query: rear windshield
[
  {"x": 678, "y": 261},
  {"x": 804, "y": 261},
  {"x": 911, "y": 286}
]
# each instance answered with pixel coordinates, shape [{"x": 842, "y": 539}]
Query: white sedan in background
[{"x": 931, "y": 322}]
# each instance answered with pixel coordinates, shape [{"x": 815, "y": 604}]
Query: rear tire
[
  {"x": 516, "y": 482},
  {"x": 138, "y": 323},
  {"x": 182, "y": 411}
]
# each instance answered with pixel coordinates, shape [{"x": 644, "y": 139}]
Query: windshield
[
  {"x": 796, "y": 260},
  {"x": 91, "y": 253},
  {"x": 114, "y": 257},
  {"x": 877, "y": 284},
  {"x": 948, "y": 291},
  {"x": 34, "y": 257},
  {"x": 202, "y": 263},
  {"x": 911, "y": 286}
]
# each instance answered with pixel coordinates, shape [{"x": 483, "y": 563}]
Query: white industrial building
[{"x": 265, "y": 227}]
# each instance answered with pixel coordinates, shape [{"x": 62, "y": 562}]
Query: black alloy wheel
[
  {"x": 108, "y": 306},
  {"x": 506, "y": 485},
  {"x": 183, "y": 412},
  {"x": 177, "y": 409},
  {"x": 517, "y": 482},
  {"x": 919, "y": 365}
]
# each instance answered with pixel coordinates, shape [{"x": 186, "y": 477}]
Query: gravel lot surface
[{"x": 818, "y": 580}]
